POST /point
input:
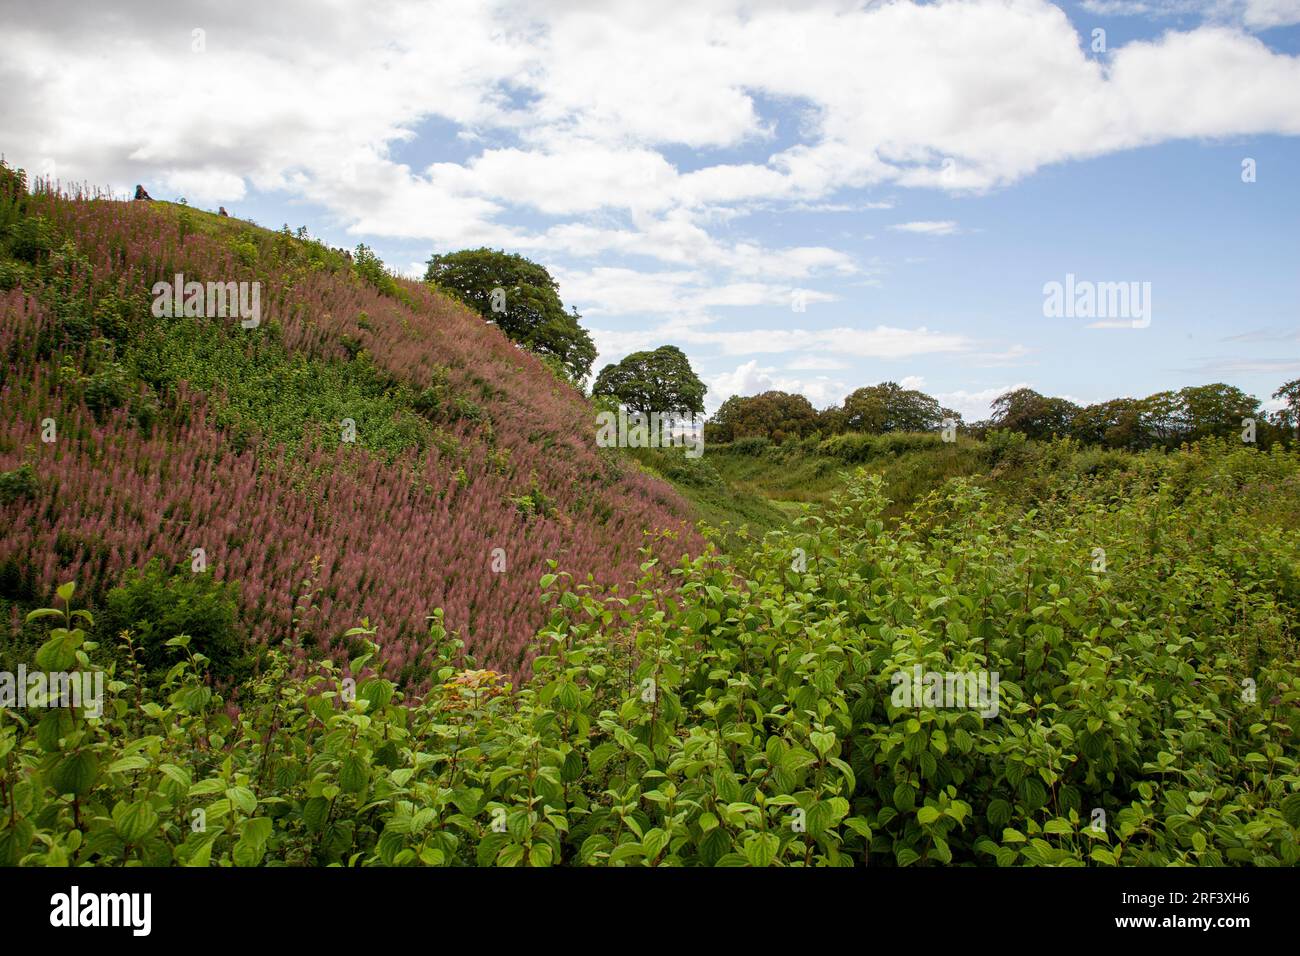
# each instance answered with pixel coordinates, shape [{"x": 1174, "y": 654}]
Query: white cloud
[
  {"x": 955, "y": 94},
  {"x": 928, "y": 227},
  {"x": 205, "y": 185},
  {"x": 751, "y": 379},
  {"x": 975, "y": 406},
  {"x": 1262, "y": 14},
  {"x": 1012, "y": 355},
  {"x": 612, "y": 290},
  {"x": 816, "y": 363},
  {"x": 881, "y": 342}
]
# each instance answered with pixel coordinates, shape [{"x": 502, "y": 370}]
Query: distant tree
[
  {"x": 1163, "y": 420},
  {"x": 1116, "y": 424},
  {"x": 832, "y": 420},
  {"x": 1287, "y": 418},
  {"x": 520, "y": 298},
  {"x": 661, "y": 380},
  {"x": 891, "y": 407},
  {"x": 1216, "y": 410},
  {"x": 1034, "y": 415},
  {"x": 888, "y": 407},
  {"x": 774, "y": 415}
]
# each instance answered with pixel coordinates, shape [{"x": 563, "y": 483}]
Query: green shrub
[
  {"x": 754, "y": 445},
  {"x": 19, "y": 484},
  {"x": 157, "y": 606},
  {"x": 30, "y": 239}
]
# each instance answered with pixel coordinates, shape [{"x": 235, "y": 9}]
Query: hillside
[{"x": 177, "y": 434}]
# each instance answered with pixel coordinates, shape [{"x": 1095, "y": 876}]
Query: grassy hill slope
[{"x": 178, "y": 434}]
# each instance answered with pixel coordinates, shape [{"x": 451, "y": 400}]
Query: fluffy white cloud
[
  {"x": 751, "y": 379},
  {"x": 955, "y": 94},
  {"x": 1262, "y": 14},
  {"x": 612, "y": 290}
]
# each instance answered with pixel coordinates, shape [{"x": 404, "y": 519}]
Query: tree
[
  {"x": 520, "y": 298},
  {"x": 1034, "y": 415},
  {"x": 654, "y": 381},
  {"x": 1288, "y": 418},
  {"x": 1115, "y": 424},
  {"x": 888, "y": 407},
  {"x": 832, "y": 420},
  {"x": 774, "y": 415},
  {"x": 1163, "y": 419},
  {"x": 1216, "y": 410}
]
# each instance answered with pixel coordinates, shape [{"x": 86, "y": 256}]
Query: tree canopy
[
  {"x": 1037, "y": 416},
  {"x": 1164, "y": 419},
  {"x": 775, "y": 415},
  {"x": 661, "y": 380},
  {"x": 522, "y": 299},
  {"x": 888, "y": 407}
]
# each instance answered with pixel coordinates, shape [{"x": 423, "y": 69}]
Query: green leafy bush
[
  {"x": 19, "y": 484},
  {"x": 754, "y": 445},
  {"x": 156, "y": 606}
]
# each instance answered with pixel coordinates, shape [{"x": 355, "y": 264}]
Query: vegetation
[
  {"x": 468, "y": 636},
  {"x": 773, "y": 415},
  {"x": 520, "y": 298},
  {"x": 173, "y": 434},
  {"x": 1164, "y": 420},
  {"x": 661, "y": 381},
  {"x": 743, "y": 709}
]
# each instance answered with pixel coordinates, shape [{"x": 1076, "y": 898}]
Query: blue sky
[{"x": 917, "y": 171}]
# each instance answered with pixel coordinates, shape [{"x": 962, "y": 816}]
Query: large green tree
[
  {"x": 888, "y": 407},
  {"x": 1216, "y": 409},
  {"x": 1116, "y": 423},
  {"x": 1037, "y": 416},
  {"x": 661, "y": 380},
  {"x": 520, "y": 298},
  {"x": 774, "y": 415}
]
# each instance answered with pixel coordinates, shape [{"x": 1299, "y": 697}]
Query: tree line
[{"x": 1165, "y": 419}]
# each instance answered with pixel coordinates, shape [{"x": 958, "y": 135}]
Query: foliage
[
  {"x": 661, "y": 381},
  {"x": 1037, "y": 416},
  {"x": 888, "y": 407},
  {"x": 19, "y": 484},
  {"x": 179, "y": 433},
  {"x": 156, "y": 606},
  {"x": 519, "y": 297},
  {"x": 733, "y": 711},
  {"x": 771, "y": 415}
]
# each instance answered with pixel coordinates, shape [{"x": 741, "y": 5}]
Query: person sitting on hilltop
[
  {"x": 141, "y": 194},
  {"x": 221, "y": 211}
]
